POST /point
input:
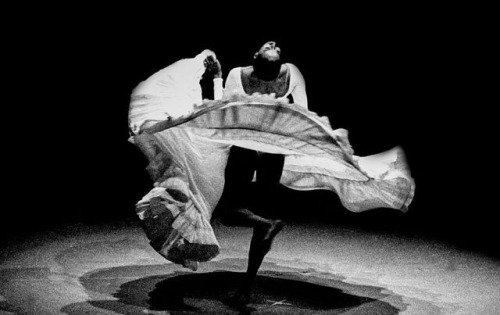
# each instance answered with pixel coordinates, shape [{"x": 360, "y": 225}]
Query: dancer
[
  {"x": 267, "y": 75},
  {"x": 188, "y": 154}
]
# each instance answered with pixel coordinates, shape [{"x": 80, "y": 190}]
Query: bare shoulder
[
  {"x": 292, "y": 67},
  {"x": 295, "y": 73},
  {"x": 245, "y": 70}
]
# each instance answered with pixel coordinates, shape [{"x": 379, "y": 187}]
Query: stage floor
[{"x": 311, "y": 269}]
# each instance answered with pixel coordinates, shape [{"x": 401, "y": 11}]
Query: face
[{"x": 269, "y": 51}]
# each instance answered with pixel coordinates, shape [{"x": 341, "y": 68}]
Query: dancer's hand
[{"x": 212, "y": 64}]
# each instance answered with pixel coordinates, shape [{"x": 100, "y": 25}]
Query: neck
[{"x": 265, "y": 69}]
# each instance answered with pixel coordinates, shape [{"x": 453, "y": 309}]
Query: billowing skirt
[{"x": 187, "y": 159}]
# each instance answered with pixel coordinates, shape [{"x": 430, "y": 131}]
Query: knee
[
  {"x": 228, "y": 218},
  {"x": 223, "y": 213}
]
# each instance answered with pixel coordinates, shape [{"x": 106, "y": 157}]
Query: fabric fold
[{"x": 187, "y": 158}]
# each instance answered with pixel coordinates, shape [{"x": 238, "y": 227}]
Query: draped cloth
[{"x": 187, "y": 158}]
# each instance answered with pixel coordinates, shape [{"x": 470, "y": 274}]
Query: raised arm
[{"x": 213, "y": 66}]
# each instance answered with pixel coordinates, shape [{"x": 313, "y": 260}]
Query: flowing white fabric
[
  {"x": 169, "y": 93},
  {"x": 187, "y": 157}
]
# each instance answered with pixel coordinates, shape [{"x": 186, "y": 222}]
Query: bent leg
[
  {"x": 232, "y": 207},
  {"x": 269, "y": 168}
]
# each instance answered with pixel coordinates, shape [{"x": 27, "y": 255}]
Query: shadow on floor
[{"x": 276, "y": 292}]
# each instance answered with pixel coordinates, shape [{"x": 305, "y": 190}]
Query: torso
[{"x": 279, "y": 86}]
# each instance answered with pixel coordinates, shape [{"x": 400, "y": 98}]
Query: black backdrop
[{"x": 388, "y": 81}]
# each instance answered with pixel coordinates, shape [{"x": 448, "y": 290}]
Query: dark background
[{"x": 389, "y": 81}]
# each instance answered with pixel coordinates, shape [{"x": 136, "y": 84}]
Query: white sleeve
[
  {"x": 218, "y": 88},
  {"x": 233, "y": 82},
  {"x": 297, "y": 86}
]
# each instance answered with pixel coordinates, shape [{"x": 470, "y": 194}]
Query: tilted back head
[{"x": 267, "y": 61}]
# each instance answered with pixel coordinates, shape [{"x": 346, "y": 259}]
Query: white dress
[{"x": 188, "y": 155}]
